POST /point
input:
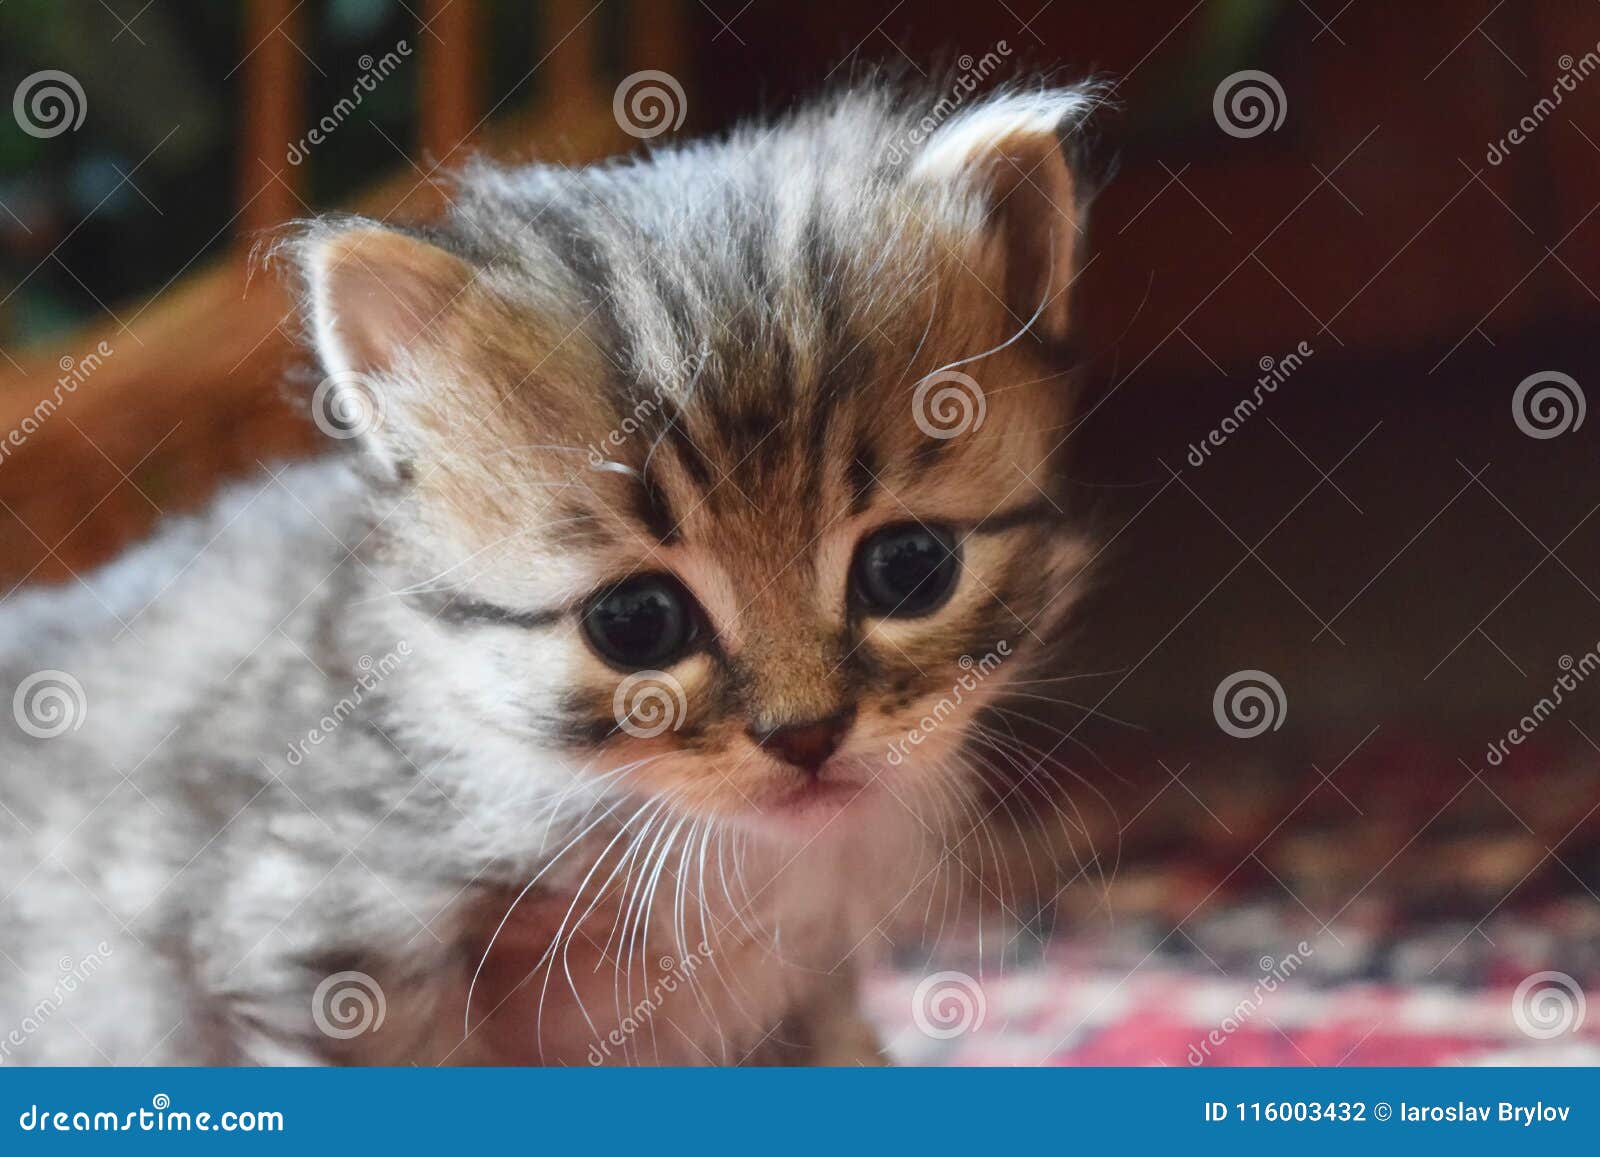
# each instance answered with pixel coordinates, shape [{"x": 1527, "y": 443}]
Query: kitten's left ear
[{"x": 1024, "y": 155}]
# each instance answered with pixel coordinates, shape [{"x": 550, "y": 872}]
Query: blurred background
[{"x": 1373, "y": 224}]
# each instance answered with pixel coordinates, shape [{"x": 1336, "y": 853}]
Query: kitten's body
[{"x": 341, "y": 736}]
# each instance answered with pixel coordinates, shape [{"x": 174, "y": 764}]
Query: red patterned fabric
[
  {"x": 1052, "y": 1013},
  {"x": 1449, "y": 913}
]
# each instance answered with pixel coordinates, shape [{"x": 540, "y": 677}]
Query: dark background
[{"x": 1380, "y": 537}]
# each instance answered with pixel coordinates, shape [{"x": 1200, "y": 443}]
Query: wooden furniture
[{"x": 188, "y": 386}]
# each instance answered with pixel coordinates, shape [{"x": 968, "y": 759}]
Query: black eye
[
  {"x": 906, "y": 570},
  {"x": 647, "y": 621}
]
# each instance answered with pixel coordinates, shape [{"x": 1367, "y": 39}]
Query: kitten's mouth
[
  {"x": 819, "y": 795},
  {"x": 816, "y": 800}
]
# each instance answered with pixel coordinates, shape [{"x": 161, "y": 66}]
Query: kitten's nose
[{"x": 806, "y": 745}]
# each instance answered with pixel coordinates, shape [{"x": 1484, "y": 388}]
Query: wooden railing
[{"x": 142, "y": 416}]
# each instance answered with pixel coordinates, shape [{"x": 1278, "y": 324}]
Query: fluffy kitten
[{"x": 614, "y": 692}]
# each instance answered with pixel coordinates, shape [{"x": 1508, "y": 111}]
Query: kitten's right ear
[
  {"x": 374, "y": 293},
  {"x": 374, "y": 299}
]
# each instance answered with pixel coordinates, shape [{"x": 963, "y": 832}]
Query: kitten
[{"x": 612, "y": 694}]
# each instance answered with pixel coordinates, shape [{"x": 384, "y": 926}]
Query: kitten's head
[{"x": 728, "y": 472}]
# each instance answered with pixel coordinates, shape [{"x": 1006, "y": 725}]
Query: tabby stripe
[
  {"x": 472, "y": 612},
  {"x": 1028, "y": 514}
]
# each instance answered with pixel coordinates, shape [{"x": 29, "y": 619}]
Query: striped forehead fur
[{"x": 721, "y": 289}]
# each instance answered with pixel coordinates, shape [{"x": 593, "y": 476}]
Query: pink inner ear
[
  {"x": 1010, "y": 155},
  {"x": 377, "y": 293},
  {"x": 1037, "y": 215}
]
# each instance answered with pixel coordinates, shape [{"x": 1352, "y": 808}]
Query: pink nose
[{"x": 806, "y": 745}]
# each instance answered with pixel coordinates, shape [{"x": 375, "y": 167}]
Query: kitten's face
[{"x": 757, "y": 513}]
